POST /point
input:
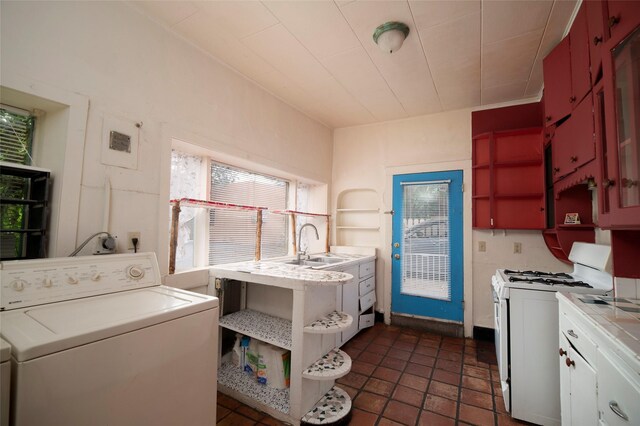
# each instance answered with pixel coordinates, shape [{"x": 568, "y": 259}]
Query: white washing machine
[
  {"x": 97, "y": 340},
  {"x": 5, "y": 381}
]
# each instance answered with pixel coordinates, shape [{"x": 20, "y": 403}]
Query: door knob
[{"x": 396, "y": 256}]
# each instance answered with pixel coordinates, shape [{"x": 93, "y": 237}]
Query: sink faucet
[{"x": 303, "y": 252}]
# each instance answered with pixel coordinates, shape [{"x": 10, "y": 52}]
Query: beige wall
[
  {"x": 368, "y": 157},
  {"x": 132, "y": 70}
]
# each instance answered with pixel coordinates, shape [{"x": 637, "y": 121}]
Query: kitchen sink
[
  {"x": 303, "y": 262},
  {"x": 327, "y": 260}
]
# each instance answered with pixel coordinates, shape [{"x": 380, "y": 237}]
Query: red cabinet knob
[
  {"x": 597, "y": 40},
  {"x": 613, "y": 21},
  {"x": 569, "y": 362},
  {"x": 574, "y": 158},
  {"x": 548, "y": 118},
  {"x": 562, "y": 352},
  {"x": 607, "y": 183},
  {"x": 572, "y": 99},
  {"x": 556, "y": 170}
]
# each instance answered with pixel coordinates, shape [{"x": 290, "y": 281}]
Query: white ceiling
[{"x": 319, "y": 56}]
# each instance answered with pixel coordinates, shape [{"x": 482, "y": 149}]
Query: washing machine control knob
[
  {"x": 47, "y": 282},
  {"x": 135, "y": 272},
  {"x": 72, "y": 280},
  {"x": 96, "y": 276},
  {"x": 18, "y": 285}
]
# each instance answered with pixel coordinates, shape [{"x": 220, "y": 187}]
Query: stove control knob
[
  {"x": 72, "y": 280},
  {"x": 18, "y": 285},
  {"x": 96, "y": 276},
  {"x": 47, "y": 282},
  {"x": 135, "y": 272}
]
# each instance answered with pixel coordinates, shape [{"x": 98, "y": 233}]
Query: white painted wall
[
  {"x": 368, "y": 157},
  {"x": 132, "y": 69}
]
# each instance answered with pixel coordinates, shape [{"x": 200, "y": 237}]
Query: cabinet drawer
[
  {"x": 367, "y": 285},
  {"x": 367, "y": 269},
  {"x": 365, "y": 321},
  {"x": 367, "y": 301},
  {"x": 618, "y": 394},
  {"x": 578, "y": 339}
]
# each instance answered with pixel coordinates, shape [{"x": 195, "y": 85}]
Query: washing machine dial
[
  {"x": 135, "y": 272},
  {"x": 96, "y": 276},
  {"x": 47, "y": 282},
  {"x": 18, "y": 285},
  {"x": 72, "y": 280}
]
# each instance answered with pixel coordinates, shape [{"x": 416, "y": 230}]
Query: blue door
[{"x": 427, "y": 275}]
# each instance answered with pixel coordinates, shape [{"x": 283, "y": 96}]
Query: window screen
[{"x": 232, "y": 233}]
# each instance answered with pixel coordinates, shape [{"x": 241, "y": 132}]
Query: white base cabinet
[
  {"x": 597, "y": 386},
  {"x": 357, "y": 298}
]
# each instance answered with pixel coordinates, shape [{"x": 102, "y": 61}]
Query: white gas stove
[{"x": 526, "y": 329}]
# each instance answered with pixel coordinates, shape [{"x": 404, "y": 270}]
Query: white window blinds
[
  {"x": 16, "y": 134},
  {"x": 232, "y": 233}
]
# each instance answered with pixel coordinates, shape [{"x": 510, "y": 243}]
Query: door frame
[{"x": 384, "y": 258}]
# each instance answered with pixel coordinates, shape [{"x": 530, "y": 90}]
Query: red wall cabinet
[
  {"x": 620, "y": 150},
  {"x": 596, "y": 13},
  {"x": 556, "y": 68},
  {"x": 623, "y": 17},
  {"x": 579, "y": 55},
  {"x": 573, "y": 143},
  {"x": 508, "y": 180}
]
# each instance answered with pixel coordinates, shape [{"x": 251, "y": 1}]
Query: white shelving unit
[
  {"x": 358, "y": 217},
  {"x": 310, "y": 335}
]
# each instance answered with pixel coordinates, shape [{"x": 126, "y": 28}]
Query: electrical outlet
[
  {"x": 130, "y": 236},
  {"x": 517, "y": 248},
  {"x": 482, "y": 246}
]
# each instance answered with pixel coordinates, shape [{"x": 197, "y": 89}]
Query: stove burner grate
[
  {"x": 550, "y": 281},
  {"x": 539, "y": 274}
]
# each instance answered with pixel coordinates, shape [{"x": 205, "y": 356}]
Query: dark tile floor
[{"x": 402, "y": 376}]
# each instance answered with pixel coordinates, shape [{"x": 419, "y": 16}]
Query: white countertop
[
  {"x": 280, "y": 274},
  {"x": 617, "y": 319}
]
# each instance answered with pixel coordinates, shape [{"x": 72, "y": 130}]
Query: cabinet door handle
[
  {"x": 562, "y": 352},
  {"x": 569, "y": 362},
  {"x": 597, "y": 40},
  {"x": 572, "y": 334},
  {"x": 572, "y": 99},
  {"x": 616, "y": 409},
  {"x": 613, "y": 21},
  {"x": 574, "y": 158},
  {"x": 548, "y": 118},
  {"x": 607, "y": 183}
]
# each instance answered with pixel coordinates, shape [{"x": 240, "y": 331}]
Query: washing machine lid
[{"x": 41, "y": 330}]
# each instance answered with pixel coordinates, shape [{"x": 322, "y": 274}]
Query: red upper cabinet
[
  {"x": 573, "y": 142},
  {"x": 557, "y": 83},
  {"x": 508, "y": 180},
  {"x": 623, "y": 16},
  {"x": 620, "y": 184},
  {"x": 579, "y": 55},
  {"x": 596, "y": 36}
]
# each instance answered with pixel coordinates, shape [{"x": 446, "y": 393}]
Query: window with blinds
[
  {"x": 16, "y": 135},
  {"x": 232, "y": 233}
]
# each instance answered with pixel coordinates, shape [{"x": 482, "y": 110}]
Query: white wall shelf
[
  {"x": 331, "y": 366},
  {"x": 358, "y": 217},
  {"x": 362, "y": 228},
  {"x": 261, "y": 326}
]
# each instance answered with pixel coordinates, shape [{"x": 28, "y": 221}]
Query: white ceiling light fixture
[{"x": 390, "y": 36}]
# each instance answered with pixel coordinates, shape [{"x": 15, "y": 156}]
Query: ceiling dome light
[{"x": 390, "y": 36}]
